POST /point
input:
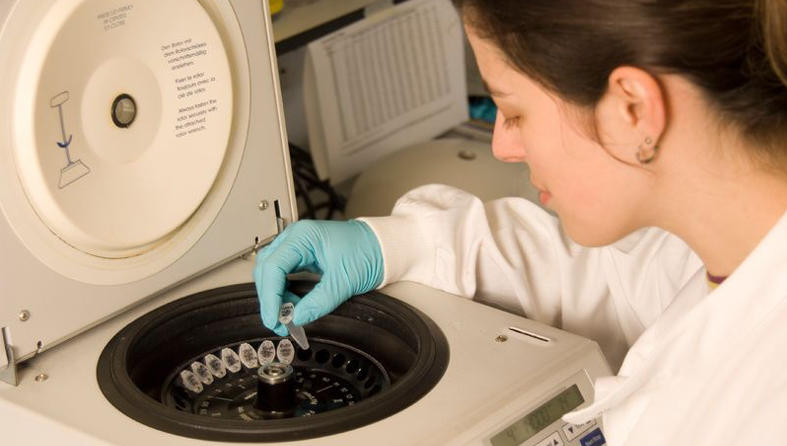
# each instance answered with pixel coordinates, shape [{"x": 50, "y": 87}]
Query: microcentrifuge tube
[
  {"x": 266, "y": 353},
  {"x": 215, "y": 365},
  {"x": 285, "y": 351},
  {"x": 247, "y": 355},
  {"x": 202, "y": 372},
  {"x": 190, "y": 381},
  {"x": 297, "y": 333},
  {"x": 230, "y": 359}
]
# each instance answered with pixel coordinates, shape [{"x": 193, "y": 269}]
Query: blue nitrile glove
[{"x": 346, "y": 253}]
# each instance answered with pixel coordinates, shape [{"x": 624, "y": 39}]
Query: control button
[
  {"x": 552, "y": 440},
  {"x": 572, "y": 431},
  {"x": 594, "y": 438}
]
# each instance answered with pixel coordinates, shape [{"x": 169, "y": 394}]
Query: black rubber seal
[{"x": 135, "y": 363}]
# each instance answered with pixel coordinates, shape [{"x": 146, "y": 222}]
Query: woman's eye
[{"x": 510, "y": 122}]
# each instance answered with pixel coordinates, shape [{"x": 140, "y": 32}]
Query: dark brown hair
[{"x": 734, "y": 50}]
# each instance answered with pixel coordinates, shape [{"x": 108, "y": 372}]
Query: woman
[{"x": 657, "y": 132}]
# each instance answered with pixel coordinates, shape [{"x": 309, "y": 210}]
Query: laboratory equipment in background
[
  {"x": 137, "y": 179},
  {"x": 381, "y": 84},
  {"x": 275, "y": 6},
  {"x": 464, "y": 163},
  {"x": 378, "y": 92}
]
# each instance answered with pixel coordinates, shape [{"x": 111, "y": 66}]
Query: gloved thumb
[{"x": 318, "y": 302}]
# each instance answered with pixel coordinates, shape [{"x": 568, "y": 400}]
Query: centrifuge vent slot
[{"x": 530, "y": 334}]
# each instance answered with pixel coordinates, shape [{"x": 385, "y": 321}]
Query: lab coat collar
[{"x": 702, "y": 319}]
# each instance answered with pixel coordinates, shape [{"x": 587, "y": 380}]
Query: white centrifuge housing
[{"x": 143, "y": 158}]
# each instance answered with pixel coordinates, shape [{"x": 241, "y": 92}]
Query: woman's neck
[{"x": 724, "y": 210}]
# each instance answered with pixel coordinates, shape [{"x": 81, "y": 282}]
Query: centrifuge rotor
[{"x": 370, "y": 358}]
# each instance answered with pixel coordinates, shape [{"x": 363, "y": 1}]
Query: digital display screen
[{"x": 532, "y": 423}]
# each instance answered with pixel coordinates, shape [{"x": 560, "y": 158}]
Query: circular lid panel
[{"x": 122, "y": 119}]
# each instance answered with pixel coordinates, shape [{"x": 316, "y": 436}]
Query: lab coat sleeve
[{"x": 511, "y": 254}]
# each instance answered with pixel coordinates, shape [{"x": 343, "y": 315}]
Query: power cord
[{"x": 318, "y": 198}]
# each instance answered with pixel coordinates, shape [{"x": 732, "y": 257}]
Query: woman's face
[{"x": 596, "y": 195}]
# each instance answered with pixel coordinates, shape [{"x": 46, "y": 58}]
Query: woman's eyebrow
[{"x": 493, "y": 91}]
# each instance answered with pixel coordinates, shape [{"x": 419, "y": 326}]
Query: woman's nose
[{"x": 507, "y": 142}]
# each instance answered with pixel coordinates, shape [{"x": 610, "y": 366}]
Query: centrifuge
[{"x": 143, "y": 159}]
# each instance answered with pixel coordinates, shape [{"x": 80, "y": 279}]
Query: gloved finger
[
  {"x": 262, "y": 255},
  {"x": 290, "y": 297},
  {"x": 265, "y": 252},
  {"x": 270, "y": 303},
  {"x": 271, "y": 277},
  {"x": 312, "y": 268},
  {"x": 280, "y": 330},
  {"x": 321, "y": 300}
]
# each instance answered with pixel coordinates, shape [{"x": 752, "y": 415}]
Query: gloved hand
[{"x": 347, "y": 254}]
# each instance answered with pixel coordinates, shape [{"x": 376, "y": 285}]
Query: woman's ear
[{"x": 631, "y": 115}]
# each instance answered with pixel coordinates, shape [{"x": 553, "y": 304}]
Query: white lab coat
[{"x": 700, "y": 368}]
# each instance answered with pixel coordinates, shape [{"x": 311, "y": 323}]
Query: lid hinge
[
  {"x": 8, "y": 369},
  {"x": 281, "y": 222}
]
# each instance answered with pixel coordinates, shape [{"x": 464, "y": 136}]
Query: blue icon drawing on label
[
  {"x": 595, "y": 438},
  {"x": 75, "y": 169}
]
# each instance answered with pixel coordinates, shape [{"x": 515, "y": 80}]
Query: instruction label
[
  {"x": 181, "y": 54},
  {"x": 194, "y": 118},
  {"x": 192, "y": 85}
]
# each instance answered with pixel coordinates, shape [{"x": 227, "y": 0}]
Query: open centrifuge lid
[{"x": 144, "y": 144}]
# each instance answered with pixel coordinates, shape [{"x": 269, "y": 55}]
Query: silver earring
[{"x": 644, "y": 154}]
